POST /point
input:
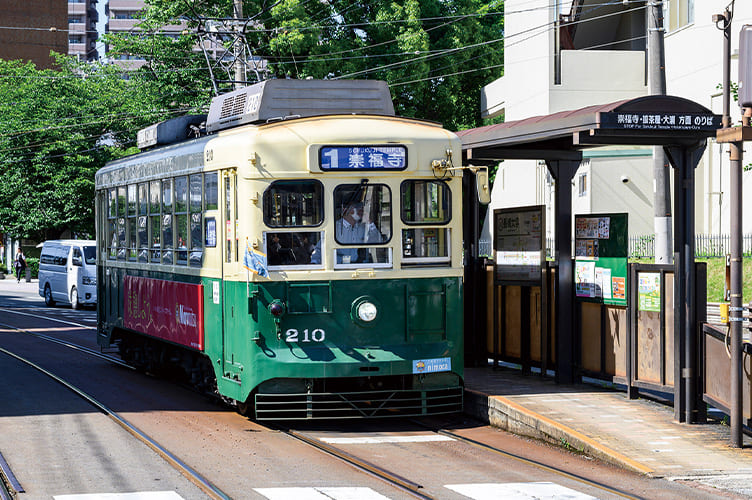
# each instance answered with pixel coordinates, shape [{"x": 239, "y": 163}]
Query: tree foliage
[
  {"x": 60, "y": 126},
  {"x": 435, "y": 54}
]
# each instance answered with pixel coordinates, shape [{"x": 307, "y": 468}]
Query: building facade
[
  {"x": 31, "y": 29},
  {"x": 567, "y": 54},
  {"x": 82, "y": 29}
]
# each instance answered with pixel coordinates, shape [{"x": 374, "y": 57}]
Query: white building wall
[
  {"x": 694, "y": 69},
  {"x": 528, "y": 89}
]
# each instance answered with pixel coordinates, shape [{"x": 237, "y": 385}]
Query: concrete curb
[{"x": 505, "y": 414}]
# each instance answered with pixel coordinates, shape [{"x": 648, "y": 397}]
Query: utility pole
[
  {"x": 735, "y": 137},
  {"x": 657, "y": 86},
  {"x": 238, "y": 46}
]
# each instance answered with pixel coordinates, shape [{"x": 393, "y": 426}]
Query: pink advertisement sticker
[{"x": 167, "y": 310}]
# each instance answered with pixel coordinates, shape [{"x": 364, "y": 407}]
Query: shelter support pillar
[
  {"x": 566, "y": 343},
  {"x": 686, "y": 360}
]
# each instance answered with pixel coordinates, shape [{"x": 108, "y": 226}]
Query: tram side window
[
  {"x": 167, "y": 222},
  {"x": 112, "y": 224},
  {"x": 155, "y": 220},
  {"x": 425, "y": 203},
  {"x": 121, "y": 211},
  {"x": 196, "y": 216},
  {"x": 364, "y": 218},
  {"x": 132, "y": 222},
  {"x": 211, "y": 191},
  {"x": 142, "y": 221},
  {"x": 294, "y": 204},
  {"x": 287, "y": 248},
  {"x": 211, "y": 202},
  {"x": 181, "y": 219}
]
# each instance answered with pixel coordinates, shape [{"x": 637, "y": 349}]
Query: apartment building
[
  {"x": 82, "y": 29},
  {"x": 31, "y": 29},
  {"x": 567, "y": 54}
]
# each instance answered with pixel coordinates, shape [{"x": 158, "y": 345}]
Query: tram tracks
[
  {"x": 417, "y": 490},
  {"x": 398, "y": 481},
  {"x": 392, "y": 478},
  {"x": 192, "y": 475},
  {"x": 534, "y": 463}
]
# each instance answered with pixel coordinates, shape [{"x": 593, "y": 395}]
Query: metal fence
[
  {"x": 643, "y": 247},
  {"x": 706, "y": 245}
]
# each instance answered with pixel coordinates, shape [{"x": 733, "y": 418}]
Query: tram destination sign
[
  {"x": 363, "y": 157},
  {"x": 660, "y": 121}
]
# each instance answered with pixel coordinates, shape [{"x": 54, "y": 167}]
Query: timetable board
[{"x": 519, "y": 245}]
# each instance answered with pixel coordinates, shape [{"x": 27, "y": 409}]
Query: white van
[{"x": 68, "y": 272}]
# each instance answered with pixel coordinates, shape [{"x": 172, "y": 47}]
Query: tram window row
[
  {"x": 171, "y": 221},
  {"x": 163, "y": 221}
]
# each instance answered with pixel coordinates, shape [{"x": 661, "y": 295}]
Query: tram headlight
[
  {"x": 367, "y": 311},
  {"x": 277, "y": 308}
]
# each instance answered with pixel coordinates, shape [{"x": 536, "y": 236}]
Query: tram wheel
[{"x": 244, "y": 408}]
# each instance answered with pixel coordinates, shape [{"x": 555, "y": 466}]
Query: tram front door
[{"x": 231, "y": 284}]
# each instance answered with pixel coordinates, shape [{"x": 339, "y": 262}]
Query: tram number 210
[{"x": 293, "y": 335}]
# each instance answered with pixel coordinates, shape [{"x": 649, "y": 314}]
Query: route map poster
[
  {"x": 519, "y": 245},
  {"x": 600, "y": 244}
]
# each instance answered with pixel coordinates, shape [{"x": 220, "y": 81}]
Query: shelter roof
[{"x": 649, "y": 120}]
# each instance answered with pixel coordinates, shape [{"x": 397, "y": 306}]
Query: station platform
[{"x": 640, "y": 435}]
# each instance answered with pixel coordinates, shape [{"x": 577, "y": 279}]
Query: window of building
[
  {"x": 677, "y": 14},
  {"x": 582, "y": 185},
  {"x": 126, "y": 14}
]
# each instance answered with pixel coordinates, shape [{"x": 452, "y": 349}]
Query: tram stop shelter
[{"x": 682, "y": 127}]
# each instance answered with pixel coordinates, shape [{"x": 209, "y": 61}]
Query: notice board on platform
[
  {"x": 519, "y": 245},
  {"x": 601, "y": 251}
]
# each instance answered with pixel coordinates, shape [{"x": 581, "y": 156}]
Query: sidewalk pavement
[
  {"x": 639, "y": 435},
  {"x": 10, "y": 283}
]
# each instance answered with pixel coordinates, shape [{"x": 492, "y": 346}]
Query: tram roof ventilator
[
  {"x": 273, "y": 100},
  {"x": 281, "y": 99},
  {"x": 171, "y": 131}
]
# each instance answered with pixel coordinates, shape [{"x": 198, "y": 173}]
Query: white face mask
[{"x": 355, "y": 216}]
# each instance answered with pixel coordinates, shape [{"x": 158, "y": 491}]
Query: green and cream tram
[{"x": 302, "y": 258}]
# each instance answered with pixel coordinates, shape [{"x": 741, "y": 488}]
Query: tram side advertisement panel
[{"x": 168, "y": 310}]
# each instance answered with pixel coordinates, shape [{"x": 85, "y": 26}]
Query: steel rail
[
  {"x": 70, "y": 345},
  {"x": 8, "y": 481},
  {"x": 531, "y": 462},
  {"x": 188, "y": 472},
  {"x": 400, "y": 482}
]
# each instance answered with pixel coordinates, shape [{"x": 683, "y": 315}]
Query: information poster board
[
  {"x": 649, "y": 292},
  {"x": 601, "y": 251},
  {"x": 519, "y": 245}
]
